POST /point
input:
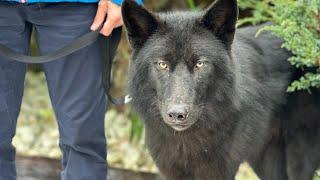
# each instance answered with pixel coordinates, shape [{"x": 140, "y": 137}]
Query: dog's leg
[
  {"x": 174, "y": 174},
  {"x": 271, "y": 163},
  {"x": 215, "y": 173},
  {"x": 210, "y": 177},
  {"x": 176, "y": 177},
  {"x": 303, "y": 157}
]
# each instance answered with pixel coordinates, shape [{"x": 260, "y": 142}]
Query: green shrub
[{"x": 298, "y": 23}]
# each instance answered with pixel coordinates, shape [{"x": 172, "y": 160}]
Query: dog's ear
[
  {"x": 140, "y": 23},
  {"x": 221, "y": 18}
]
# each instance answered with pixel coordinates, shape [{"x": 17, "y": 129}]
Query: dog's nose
[{"x": 178, "y": 112}]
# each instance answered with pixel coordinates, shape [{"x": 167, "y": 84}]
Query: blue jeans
[{"x": 75, "y": 85}]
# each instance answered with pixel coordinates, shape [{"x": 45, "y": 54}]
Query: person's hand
[{"x": 114, "y": 17}]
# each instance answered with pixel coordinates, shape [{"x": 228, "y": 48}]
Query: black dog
[{"x": 212, "y": 97}]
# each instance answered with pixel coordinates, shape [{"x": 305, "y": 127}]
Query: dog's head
[{"x": 182, "y": 60}]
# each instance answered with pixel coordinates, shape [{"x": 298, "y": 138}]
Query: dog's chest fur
[{"x": 190, "y": 155}]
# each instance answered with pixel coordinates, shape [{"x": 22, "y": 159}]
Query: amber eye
[
  {"x": 163, "y": 65},
  {"x": 199, "y": 64}
]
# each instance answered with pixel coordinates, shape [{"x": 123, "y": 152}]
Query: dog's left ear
[{"x": 221, "y": 18}]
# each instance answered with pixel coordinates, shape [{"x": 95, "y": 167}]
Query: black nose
[{"x": 178, "y": 112}]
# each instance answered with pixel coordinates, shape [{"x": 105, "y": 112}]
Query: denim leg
[
  {"x": 14, "y": 33},
  {"x": 75, "y": 86}
]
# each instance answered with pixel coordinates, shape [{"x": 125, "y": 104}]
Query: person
[{"x": 74, "y": 82}]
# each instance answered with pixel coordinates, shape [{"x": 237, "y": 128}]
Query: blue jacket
[{"x": 119, "y": 2}]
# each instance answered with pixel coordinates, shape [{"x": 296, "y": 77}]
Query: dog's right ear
[
  {"x": 221, "y": 19},
  {"x": 140, "y": 23}
]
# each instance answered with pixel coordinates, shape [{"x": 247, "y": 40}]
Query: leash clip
[{"x": 127, "y": 99}]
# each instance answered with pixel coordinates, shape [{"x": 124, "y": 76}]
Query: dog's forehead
[
  {"x": 179, "y": 20},
  {"x": 178, "y": 32},
  {"x": 183, "y": 29},
  {"x": 183, "y": 39}
]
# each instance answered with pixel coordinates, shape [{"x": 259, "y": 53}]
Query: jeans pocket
[
  {"x": 64, "y": 15},
  {"x": 5, "y": 120}
]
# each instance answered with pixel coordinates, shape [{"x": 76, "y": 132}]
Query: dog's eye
[
  {"x": 163, "y": 65},
  {"x": 199, "y": 64}
]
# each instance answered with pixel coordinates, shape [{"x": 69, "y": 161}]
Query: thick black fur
[{"x": 233, "y": 86}]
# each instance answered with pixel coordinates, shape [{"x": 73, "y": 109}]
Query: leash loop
[{"x": 78, "y": 44}]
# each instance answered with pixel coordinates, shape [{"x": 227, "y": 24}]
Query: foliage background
[{"x": 296, "y": 21}]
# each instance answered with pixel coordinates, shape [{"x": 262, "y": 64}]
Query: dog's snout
[{"x": 178, "y": 112}]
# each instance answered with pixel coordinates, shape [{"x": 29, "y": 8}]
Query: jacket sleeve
[{"x": 119, "y": 2}]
